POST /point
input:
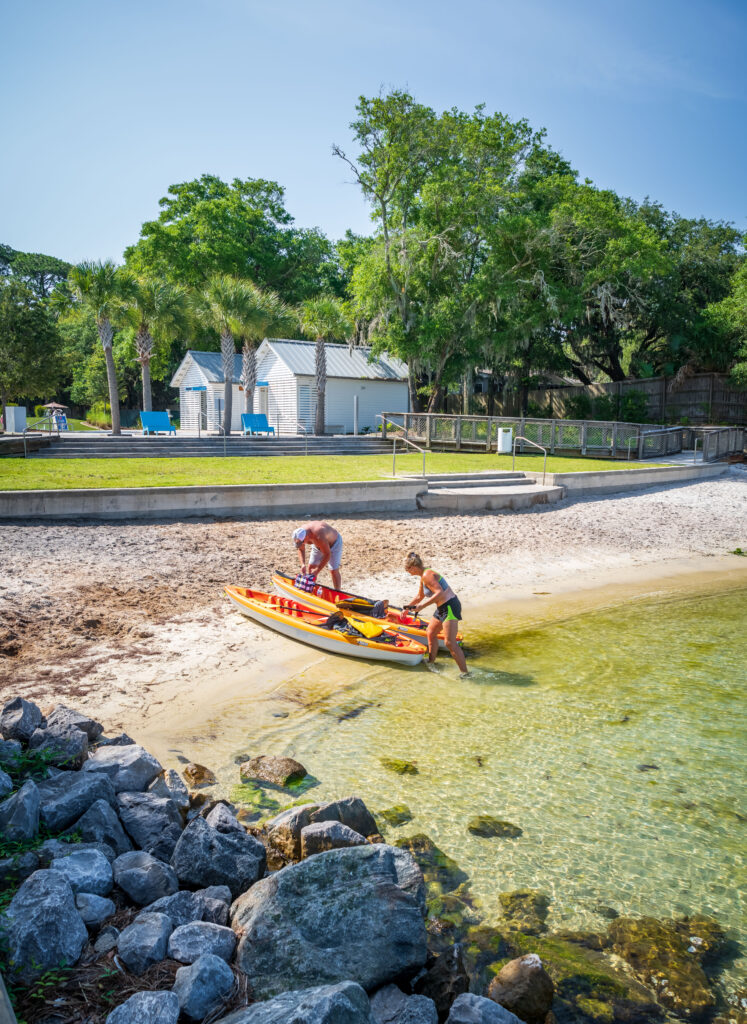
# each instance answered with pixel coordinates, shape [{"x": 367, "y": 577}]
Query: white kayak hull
[{"x": 327, "y": 640}]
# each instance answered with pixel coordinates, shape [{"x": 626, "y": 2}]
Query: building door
[{"x": 262, "y": 403}]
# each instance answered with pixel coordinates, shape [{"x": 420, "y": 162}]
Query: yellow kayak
[{"x": 328, "y": 600}]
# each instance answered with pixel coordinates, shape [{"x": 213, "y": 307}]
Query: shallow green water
[{"x": 558, "y": 731}]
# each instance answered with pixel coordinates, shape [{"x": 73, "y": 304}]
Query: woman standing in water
[{"x": 446, "y": 615}]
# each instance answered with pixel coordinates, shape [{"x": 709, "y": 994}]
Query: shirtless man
[{"x": 326, "y": 549}]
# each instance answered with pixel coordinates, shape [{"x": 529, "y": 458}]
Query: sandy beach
[{"x": 127, "y": 620}]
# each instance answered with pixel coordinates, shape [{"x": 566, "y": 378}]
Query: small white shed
[{"x": 285, "y": 387}]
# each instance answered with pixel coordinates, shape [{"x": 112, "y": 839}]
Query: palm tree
[
  {"x": 101, "y": 287},
  {"x": 324, "y": 319},
  {"x": 266, "y": 316},
  {"x": 154, "y": 307},
  {"x": 222, "y": 305}
]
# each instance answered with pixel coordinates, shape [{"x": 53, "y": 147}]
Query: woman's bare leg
[
  {"x": 434, "y": 628},
  {"x": 451, "y": 627}
]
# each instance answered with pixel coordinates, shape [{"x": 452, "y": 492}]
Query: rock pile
[{"x": 137, "y": 873}]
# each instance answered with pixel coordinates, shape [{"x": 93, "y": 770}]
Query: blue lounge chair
[
  {"x": 157, "y": 422},
  {"x": 255, "y": 423}
]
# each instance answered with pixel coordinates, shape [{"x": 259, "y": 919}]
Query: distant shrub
[
  {"x": 39, "y": 411},
  {"x": 99, "y": 415},
  {"x": 634, "y": 407},
  {"x": 605, "y": 407},
  {"x": 578, "y": 407}
]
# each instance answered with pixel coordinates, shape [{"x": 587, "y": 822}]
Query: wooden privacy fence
[
  {"x": 598, "y": 437},
  {"x": 702, "y": 398}
]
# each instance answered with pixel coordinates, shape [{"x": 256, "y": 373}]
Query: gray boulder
[
  {"x": 391, "y": 1006},
  {"x": 42, "y": 927},
  {"x": 285, "y": 829},
  {"x": 85, "y": 871},
  {"x": 204, "y": 986},
  {"x": 354, "y": 914},
  {"x": 170, "y": 786},
  {"x": 94, "y": 909},
  {"x": 144, "y": 942},
  {"x": 190, "y": 941},
  {"x": 129, "y": 768},
  {"x": 19, "y": 718},
  {"x": 10, "y": 752},
  {"x": 19, "y": 814},
  {"x": 280, "y": 771},
  {"x": 52, "y": 848},
  {"x": 6, "y": 784},
  {"x": 144, "y": 878},
  {"x": 345, "y": 1003},
  {"x": 185, "y": 907},
  {"x": 106, "y": 940},
  {"x": 100, "y": 824},
  {"x": 222, "y": 819},
  {"x": 153, "y": 823},
  {"x": 147, "y": 1008},
  {"x": 472, "y": 1009},
  {"x": 328, "y": 835},
  {"x": 64, "y": 745},
  {"x": 524, "y": 987},
  {"x": 121, "y": 740},
  {"x": 204, "y": 855},
  {"x": 64, "y": 716},
  {"x": 216, "y": 892},
  {"x": 68, "y": 795},
  {"x": 15, "y": 869}
]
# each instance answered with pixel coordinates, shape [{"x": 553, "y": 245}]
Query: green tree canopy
[
  {"x": 242, "y": 229},
  {"x": 30, "y": 364}
]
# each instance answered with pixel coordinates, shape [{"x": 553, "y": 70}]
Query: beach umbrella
[{"x": 55, "y": 405}]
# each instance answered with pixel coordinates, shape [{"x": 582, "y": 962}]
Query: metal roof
[
  {"x": 298, "y": 356},
  {"x": 342, "y": 361},
  {"x": 211, "y": 364}
]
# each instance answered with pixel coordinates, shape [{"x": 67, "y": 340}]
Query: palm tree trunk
[
  {"x": 106, "y": 334},
  {"x": 228, "y": 351},
  {"x": 321, "y": 384},
  {"x": 147, "y": 397},
  {"x": 248, "y": 374},
  {"x": 144, "y": 348}
]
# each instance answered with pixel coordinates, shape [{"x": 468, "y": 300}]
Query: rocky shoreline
[{"x": 129, "y": 895}]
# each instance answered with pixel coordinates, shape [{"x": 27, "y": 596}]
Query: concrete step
[
  {"x": 482, "y": 499},
  {"x": 518, "y": 480},
  {"x": 138, "y": 447},
  {"x": 486, "y": 474}
]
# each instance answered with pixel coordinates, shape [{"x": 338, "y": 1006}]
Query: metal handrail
[
  {"x": 534, "y": 443},
  {"x": 33, "y": 426},
  {"x": 302, "y": 427},
  {"x": 406, "y": 440},
  {"x": 651, "y": 433}
]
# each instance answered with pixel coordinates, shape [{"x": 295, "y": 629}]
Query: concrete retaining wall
[
  {"x": 255, "y": 501},
  {"x": 613, "y": 480}
]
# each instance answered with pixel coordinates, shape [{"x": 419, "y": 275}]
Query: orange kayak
[
  {"x": 328, "y": 600},
  {"x": 298, "y": 621}
]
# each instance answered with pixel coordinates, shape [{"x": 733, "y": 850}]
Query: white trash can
[
  {"x": 15, "y": 419},
  {"x": 505, "y": 440}
]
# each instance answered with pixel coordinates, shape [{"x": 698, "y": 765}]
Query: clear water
[{"x": 557, "y": 731}]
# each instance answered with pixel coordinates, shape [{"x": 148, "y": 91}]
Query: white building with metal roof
[{"x": 285, "y": 387}]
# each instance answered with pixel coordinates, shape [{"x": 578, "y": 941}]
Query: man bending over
[{"x": 326, "y": 549}]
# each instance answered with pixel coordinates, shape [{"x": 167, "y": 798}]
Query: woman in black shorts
[{"x": 446, "y": 615}]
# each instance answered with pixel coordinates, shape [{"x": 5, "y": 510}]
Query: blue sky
[{"x": 105, "y": 104}]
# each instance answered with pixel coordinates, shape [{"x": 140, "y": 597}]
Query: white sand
[{"x": 120, "y": 618}]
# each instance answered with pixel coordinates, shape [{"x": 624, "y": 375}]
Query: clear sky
[{"x": 107, "y": 102}]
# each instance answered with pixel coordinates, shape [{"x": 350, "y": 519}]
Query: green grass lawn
[{"x": 55, "y": 474}]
